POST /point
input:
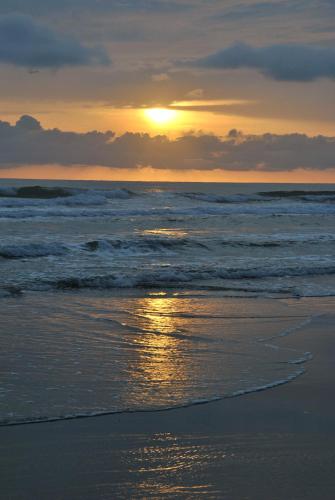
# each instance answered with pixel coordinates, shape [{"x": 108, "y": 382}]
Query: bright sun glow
[{"x": 161, "y": 116}]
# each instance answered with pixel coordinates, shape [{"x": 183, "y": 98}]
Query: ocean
[{"x": 137, "y": 296}]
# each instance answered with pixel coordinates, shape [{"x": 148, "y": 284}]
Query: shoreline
[
  {"x": 191, "y": 404},
  {"x": 277, "y": 443}
]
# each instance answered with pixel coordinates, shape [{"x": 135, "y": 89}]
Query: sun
[{"x": 161, "y": 116}]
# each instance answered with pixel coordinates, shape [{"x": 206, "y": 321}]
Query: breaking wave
[
  {"x": 85, "y": 235},
  {"x": 327, "y": 196},
  {"x": 37, "y": 196},
  {"x": 167, "y": 245},
  {"x": 143, "y": 245},
  {"x": 72, "y": 209},
  {"x": 214, "y": 198},
  {"x": 314, "y": 195},
  {"x": 191, "y": 277}
]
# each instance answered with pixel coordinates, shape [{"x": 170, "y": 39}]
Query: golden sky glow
[
  {"x": 82, "y": 117},
  {"x": 141, "y": 68},
  {"x": 85, "y": 116},
  {"x": 148, "y": 174}
]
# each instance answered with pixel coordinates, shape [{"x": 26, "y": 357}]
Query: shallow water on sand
[{"x": 77, "y": 353}]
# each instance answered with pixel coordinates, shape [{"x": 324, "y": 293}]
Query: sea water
[{"x": 139, "y": 296}]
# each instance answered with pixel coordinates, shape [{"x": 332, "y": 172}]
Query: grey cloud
[
  {"x": 263, "y": 9},
  {"x": 45, "y": 6},
  {"x": 28, "y": 143},
  {"x": 27, "y": 122},
  {"x": 288, "y": 62},
  {"x": 28, "y": 43}
]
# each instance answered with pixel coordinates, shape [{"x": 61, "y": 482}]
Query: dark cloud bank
[
  {"x": 28, "y": 43},
  {"x": 27, "y": 142},
  {"x": 287, "y": 62}
]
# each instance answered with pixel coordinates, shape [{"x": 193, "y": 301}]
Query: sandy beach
[{"x": 278, "y": 444}]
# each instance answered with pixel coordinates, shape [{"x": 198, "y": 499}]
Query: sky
[{"x": 206, "y": 90}]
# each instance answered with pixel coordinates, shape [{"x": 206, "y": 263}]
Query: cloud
[
  {"x": 27, "y": 143},
  {"x": 288, "y": 62},
  {"x": 28, "y": 43},
  {"x": 195, "y": 94},
  {"x": 98, "y": 5},
  {"x": 264, "y": 9},
  {"x": 160, "y": 77}
]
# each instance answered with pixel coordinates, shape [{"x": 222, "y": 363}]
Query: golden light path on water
[
  {"x": 173, "y": 233},
  {"x": 160, "y": 358}
]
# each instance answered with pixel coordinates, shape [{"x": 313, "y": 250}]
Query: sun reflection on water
[
  {"x": 158, "y": 314},
  {"x": 161, "y": 357},
  {"x": 165, "y": 465},
  {"x": 173, "y": 233}
]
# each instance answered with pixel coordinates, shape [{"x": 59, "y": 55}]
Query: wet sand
[{"x": 274, "y": 444}]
